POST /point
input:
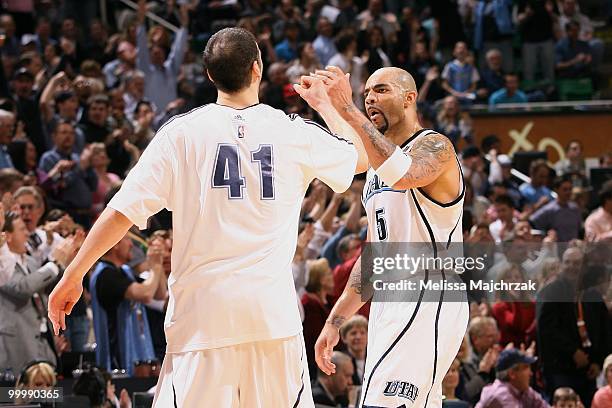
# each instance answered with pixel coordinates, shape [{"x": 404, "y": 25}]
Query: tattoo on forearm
[
  {"x": 429, "y": 155},
  {"x": 382, "y": 146},
  {"x": 336, "y": 321},
  {"x": 355, "y": 278}
]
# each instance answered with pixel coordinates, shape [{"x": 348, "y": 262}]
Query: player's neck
[
  {"x": 403, "y": 131},
  {"x": 239, "y": 100}
]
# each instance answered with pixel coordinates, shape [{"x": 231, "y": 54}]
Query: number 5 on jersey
[
  {"x": 381, "y": 224},
  {"x": 227, "y": 172}
]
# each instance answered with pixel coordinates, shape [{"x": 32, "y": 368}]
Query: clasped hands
[{"x": 326, "y": 88}]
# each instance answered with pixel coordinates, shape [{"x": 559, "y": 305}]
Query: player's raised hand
[
  {"x": 312, "y": 90},
  {"x": 338, "y": 87},
  {"x": 324, "y": 348}
]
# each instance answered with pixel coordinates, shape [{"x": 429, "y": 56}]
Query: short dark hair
[
  {"x": 488, "y": 142},
  {"x": 344, "y": 39},
  {"x": 504, "y": 199},
  {"x": 228, "y": 58},
  {"x": 141, "y": 103},
  {"x": 571, "y": 142},
  {"x": 558, "y": 181},
  {"x": 606, "y": 192},
  {"x": 8, "y": 177}
]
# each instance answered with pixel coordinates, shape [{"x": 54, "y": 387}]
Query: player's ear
[
  {"x": 410, "y": 98},
  {"x": 209, "y": 77},
  {"x": 256, "y": 70}
]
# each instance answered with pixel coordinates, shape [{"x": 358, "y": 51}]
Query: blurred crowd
[{"x": 80, "y": 99}]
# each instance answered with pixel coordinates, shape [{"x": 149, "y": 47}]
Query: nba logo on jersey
[
  {"x": 402, "y": 389},
  {"x": 241, "y": 131}
]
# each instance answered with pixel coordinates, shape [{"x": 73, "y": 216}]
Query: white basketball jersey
[
  {"x": 235, "y": 180},
  {"x": 410, "y": 215}
]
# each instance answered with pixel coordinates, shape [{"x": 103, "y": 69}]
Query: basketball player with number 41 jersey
[
  {"x": 234, "y": 174},
  {"x": 413, "y": 195}
]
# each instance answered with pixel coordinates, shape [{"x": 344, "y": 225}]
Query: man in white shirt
[{"x": 234, "y": 173}]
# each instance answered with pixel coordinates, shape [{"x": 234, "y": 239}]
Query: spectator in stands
[
  {"x": 514, "y": 311},
  {"x": 603, "y": 396},
  {"x": 572, "y": 340},
  {"x": 10, "y": 180},
  {"x": 95, "y": 127},
  {"x": 316, "y": 305},
  {"x": 134, "y": 85},
  {"x": 67, "y": 109},
  {"x": 561, "y": 214},
  {"x": 598, "y": 225},
  {"x": 573, "y": 164},
  {"x": 91, "y": 384},
  {"x": 375, "y": 54},
  {"x": 161, "y": 69},
  {"x": 347, "y": 60},
  {"x": 286, "y": 50},
  {"x": 492, "y": 75},
  {"x": 23, "y": 297},
  {"x": 449, "y": 384},
  {"x": 37, "y": 374},
  {"x": 536, "y": 193},
  {"x": 354, "y": 333},
  {"x": 25, "y": 160},
  {"x": 334, "y": 390},
  {"x": 494, "y": 29},
  {"x": 500, "y": 171},
  {"x": 28, "y": 110},
  {"x": 10, "y": 48},
  {"x": 106, "y": 180},
  {"x": 459, "y": 76},
  {"x": 42, "y": 240},
  {"x": 453, "y": 122},
  {"x": 511, "y": 388},
  {"x": 479, "y": 368},
  {"x": 306, "y": 63},
  {"x": 324, "y": 44},
  {"x": 536, "y": 21},
  {"x": 7, "y": 126},
  {"x": 118, "y": 298},
  {"x": 565, "y": 397},
  {"x": 75, "y": 180},
  {"x": 503, "y": 227},
  {"x": 273, "y": 91},
  {"x": 124, "y": 63},
  {"x": 569, "y": 12},
  {"x": 144, "y": 118},
  {"x": 472, "y": 166},
  {"x": 573, "y": 56},
  {"x": 510, "y": 93},
  {"x": 374, "y": 15}
]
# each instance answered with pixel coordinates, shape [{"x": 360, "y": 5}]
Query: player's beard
[{"x": 384, "y": 126}]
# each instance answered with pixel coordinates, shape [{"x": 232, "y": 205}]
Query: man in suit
[
  {"x": 333, "y": 390},
  {"x": 24, "y": 331}
]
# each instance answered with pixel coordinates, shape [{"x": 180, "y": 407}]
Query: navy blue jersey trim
[
  {"x": 456, "y": 200},
  {"x": 174, "y": 393},
  {"x": 453, "y": 230},
  {"x": 398, "y": 338},
  {"x": 299, "y": 396},
  {"x": 435, "y": 366},
  {"x": 429, "y": 230},
  {"x": 180, "y": 116},
  {"x": 326, "y": 130},
  {"x": 239, "y": 109},
  {"x": 414, "y": 136},
  {"x": 381, "y": 190}
]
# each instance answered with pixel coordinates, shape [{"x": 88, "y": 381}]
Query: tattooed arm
[
  {"x": 431, "y": 154},
  {"x": 349, "y": 303}
]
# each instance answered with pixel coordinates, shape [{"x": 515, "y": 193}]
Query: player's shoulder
[
  {"x": 419, "y": 136},
  {"x": 186, "y": 119}
]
